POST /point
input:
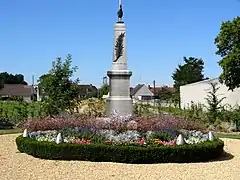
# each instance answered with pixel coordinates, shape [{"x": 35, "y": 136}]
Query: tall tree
[
  {"x": 191, "y": 71},
  {"x": 228, "y": 45},
  {"x": 7, "y": 78},
  {"x": 214, "y": 102},
  {"x": 59, "y": 89}
]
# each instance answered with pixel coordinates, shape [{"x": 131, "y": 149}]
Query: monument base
[
  {"x": 123, "y": 107},
  {"x": 119, "y": 99}
]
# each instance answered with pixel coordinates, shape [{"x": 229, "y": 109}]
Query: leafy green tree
[
  {"x": 191, "y": 71},
  {"x": 60, "y": 92},
  {"x": 7, "y": 78},
  {"x": 228, "y": 45}
]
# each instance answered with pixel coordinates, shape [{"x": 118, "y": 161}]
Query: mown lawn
[
  {"x": 228, "y": 135},
  {"x": 10, "y": 131}
]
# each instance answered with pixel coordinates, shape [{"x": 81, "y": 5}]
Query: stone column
[{"x": 119, "y": 99}]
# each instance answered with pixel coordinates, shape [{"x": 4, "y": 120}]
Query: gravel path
[{"x": 17, "y": 166}]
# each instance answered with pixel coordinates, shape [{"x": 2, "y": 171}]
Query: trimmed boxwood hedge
[{"x": 123, "y": 154}]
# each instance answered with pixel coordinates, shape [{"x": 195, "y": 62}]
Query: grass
[
  {"x": 227, "y": 135},
  {"x": 10, "y": 131}
]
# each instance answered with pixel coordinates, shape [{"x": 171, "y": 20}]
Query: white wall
[{"x": 197, "y": 92}]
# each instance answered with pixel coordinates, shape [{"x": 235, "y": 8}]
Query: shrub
[
  {"x": 118, "y": 153},
  {"x": 5, "y": 124},
  {"x": 17, "y": 112},
  {"x": 141, "y": 124},
  {"x": 91, "y": 107}
]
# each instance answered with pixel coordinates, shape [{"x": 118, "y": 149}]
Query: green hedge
[
  {"x": 16, "y": 112},
  {"x": 123, "y": 154}
]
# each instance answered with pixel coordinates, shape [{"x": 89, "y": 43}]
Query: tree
[
  {"x": 214, "y": 103},
  {"x": 228, "y": 45},
  {"x": 190, "y": 72},
  {"x": 59, "y": 90},
  {"x": 7, "y": 78},
  {"x": 165, "y": 94}
]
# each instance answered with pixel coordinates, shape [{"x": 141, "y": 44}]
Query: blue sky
[{"x": 159, "y": 33}]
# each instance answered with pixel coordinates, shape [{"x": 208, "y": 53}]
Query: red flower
[
  {"x": 81, "y": 141},
  {"x": 108, "y": 141}
]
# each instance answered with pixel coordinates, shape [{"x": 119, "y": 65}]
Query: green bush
[
  {"x": 17, "y": 112},
  {"x": 164, "y": 136},
  {"x": 123, "y": 154}
]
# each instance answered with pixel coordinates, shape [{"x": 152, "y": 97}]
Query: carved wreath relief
[{"x": 119, "y": 46}]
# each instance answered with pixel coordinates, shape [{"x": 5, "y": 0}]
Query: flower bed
[
  {"x": 121, "y": 153},
  {"x": 119, "y": 139}
]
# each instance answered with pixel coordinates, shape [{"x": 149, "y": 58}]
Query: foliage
[
  {"x": 119, "y": 124},
  {"x": 103, "y": 90},
  {"x": 5, "y": 124},
  {"x": 140, "y": 109},
  {"x": 228, "y": 47},
  {"x": 87, "y": 91},
  {"x": 59, "y": 89},
  {"x": 232, "y": 114},
  {"x": 15, "y": 113},
  {"x": 54, "y": 123},
  {"x": 119, "y": 153},
  {"x": 165, "y": 95},
  {"x": 191, "y": 71},
  {"x": 6, "y": 78},
  {"x": 11, "y": 98},
  {"x": 91, "y": 107},
  {"x": 214, "y": 103},
  {"x": 228, "y": 118},
  {"x": 164, "y": 136}
]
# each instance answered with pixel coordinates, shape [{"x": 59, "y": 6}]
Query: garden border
[{"x": 201, "y": 152}]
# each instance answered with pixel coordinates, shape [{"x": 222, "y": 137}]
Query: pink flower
[
  {"x": 108, "y": 141},
  {"x": 170, "y": 143},
  {"x": 81, "y": 141}
]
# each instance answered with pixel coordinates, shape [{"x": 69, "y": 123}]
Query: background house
[
  {"x": 197, "y": 93},
  {"x": 87, "y": 91},
  {"x": 27, "y": 92},
  {"x": 141, "y": 93}
]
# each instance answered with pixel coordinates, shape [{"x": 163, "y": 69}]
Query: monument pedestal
[{"x": 119, "y": 96}]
